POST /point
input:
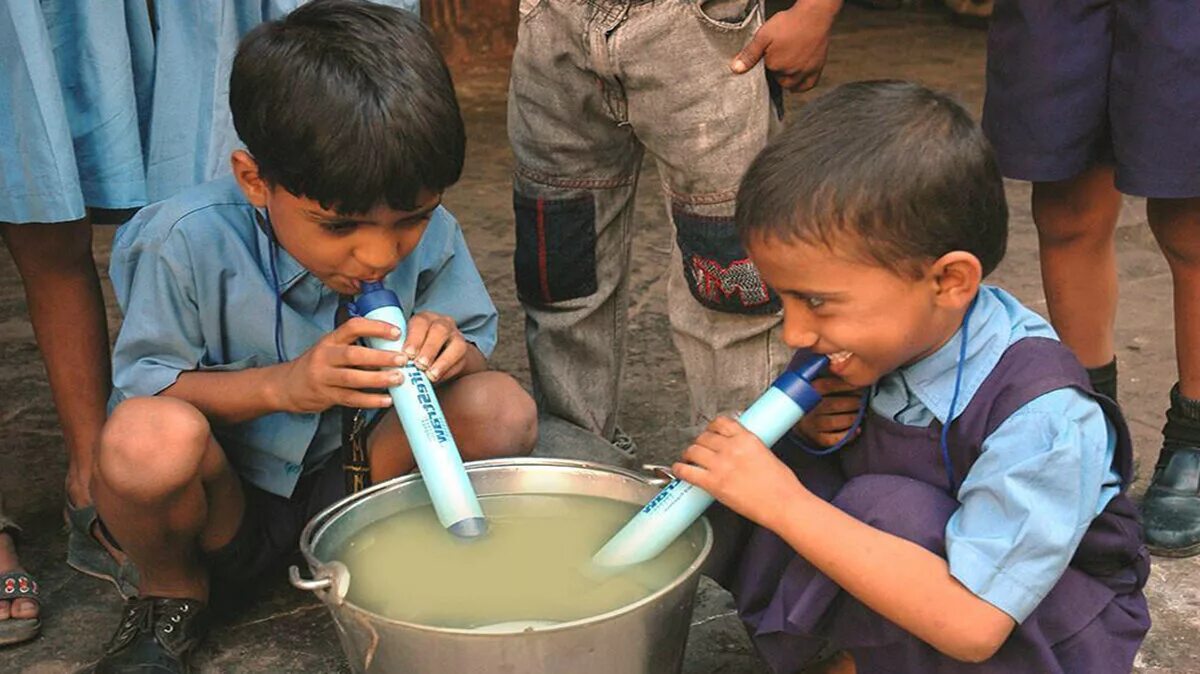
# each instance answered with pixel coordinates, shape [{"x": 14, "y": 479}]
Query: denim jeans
[{"x": 596, "y": 84}]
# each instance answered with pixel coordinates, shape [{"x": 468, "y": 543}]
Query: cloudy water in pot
[{"x": 532, "y": 567}]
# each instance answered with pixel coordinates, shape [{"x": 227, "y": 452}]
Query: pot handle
[
  {"x": 662, "y": 475},
  {"x": 330, "y": 582},
  {"x": 317, "y": 583}
]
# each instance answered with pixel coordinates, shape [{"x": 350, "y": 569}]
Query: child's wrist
[
  {"x": 274, "y": 388},
  {"x": 794, "y": 503}
]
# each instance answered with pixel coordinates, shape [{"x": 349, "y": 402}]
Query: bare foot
[{"x": 18, "y": 608}]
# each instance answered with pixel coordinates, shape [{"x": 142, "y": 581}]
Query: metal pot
[{"x": 647, "y": 636}]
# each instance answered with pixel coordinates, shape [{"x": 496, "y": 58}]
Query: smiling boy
[
  {"x": 980, "y": 522},
  {"x": 232, "y": 368}
]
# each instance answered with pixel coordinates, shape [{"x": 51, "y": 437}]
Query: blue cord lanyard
[
  {"x": 958, "y": 374},
  {"x": 866, "y": 399},
  {"x": 265, "y": 219}
]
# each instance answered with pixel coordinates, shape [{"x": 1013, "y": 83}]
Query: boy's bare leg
[
  {"x": 66, "y": 308},
  {"x": 489, "y": 414},
  {"x": 1171, "y": 507},
  {"x": 1176, "y": 226},
  {"x": 165, "y": 491},
  {"x": 1076, "y": 221}
]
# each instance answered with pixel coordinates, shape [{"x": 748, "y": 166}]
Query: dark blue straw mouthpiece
[
  {"x": 373, "y": 295},
  {"x": 796, "y": 381}
]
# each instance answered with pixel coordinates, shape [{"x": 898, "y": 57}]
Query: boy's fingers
[
  {"x": 450, "y": 357},
  {"x": 359, "y": 327},
  {"x": 436, "y": 338},
  {"x": 688, "y": 473},
  {"x": 712, "y": 441},
  {"x": 833, "y": 423},
  {"x": 723, "y": 426},
  {"x": 362, "y": 356},
  {"x": 350, "y": 378},
  {"x": 698, "y": 454},
  {"x": 831, "y": 439},
  {"x": 829, "y": 385},
  {"x": 418, "y": 329},
  {"x": 838, "y": 405},
  {"x": 362, "y": 399}
]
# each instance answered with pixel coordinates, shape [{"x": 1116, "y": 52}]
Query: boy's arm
[
  {"x": 334, "y": 371},
  {"x": 233, "y": 397},
  {"x": 1044, "y": 475},
  {"x": 896, "y": 578}
]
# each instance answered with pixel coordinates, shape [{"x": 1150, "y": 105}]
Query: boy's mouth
[{"x": 838, "y": 360}]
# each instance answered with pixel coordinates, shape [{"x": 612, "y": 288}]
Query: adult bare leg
[{"x": 66, "y": 308}]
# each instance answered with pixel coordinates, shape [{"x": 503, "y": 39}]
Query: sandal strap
[{"x": 17, "y": 585}]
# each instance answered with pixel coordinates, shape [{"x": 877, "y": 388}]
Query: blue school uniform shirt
[
  {"x": 1044, "y": 474},
  {"x": 192, "y": 275}
]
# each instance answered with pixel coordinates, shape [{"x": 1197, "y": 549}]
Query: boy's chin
[{"x": 859, "y": 374}]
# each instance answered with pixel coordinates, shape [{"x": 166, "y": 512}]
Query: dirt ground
[{"x": 281, "y": 629}]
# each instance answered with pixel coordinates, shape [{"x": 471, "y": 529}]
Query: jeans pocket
[
  {"x": 725, "y": 15},
  {"x": 555, "y": 259}
]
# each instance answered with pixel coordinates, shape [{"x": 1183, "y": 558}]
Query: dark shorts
[
  {"x": 1072, "y": 83},
  {"x": 271, "y": 524}
]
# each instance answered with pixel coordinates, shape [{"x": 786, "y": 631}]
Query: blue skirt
[{"x": 103, "y": 105}]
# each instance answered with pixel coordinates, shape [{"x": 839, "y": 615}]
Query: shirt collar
[
  {"x": 288, "y": 270},
  {"x": 931, "y": 379}
]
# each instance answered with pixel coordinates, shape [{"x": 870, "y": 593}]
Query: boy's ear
[
  {"x": 245, "y": 171},
  {"x": 957, "y": 275}
]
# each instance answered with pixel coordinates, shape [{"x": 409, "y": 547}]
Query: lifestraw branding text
[
  {"x": 662, "y": 495},
  {"x": 425, "y": 397}
]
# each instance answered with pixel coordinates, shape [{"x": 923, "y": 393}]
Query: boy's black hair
[
  {"x": 348, "y": 103},
  {"x": 902, "y": 169}
]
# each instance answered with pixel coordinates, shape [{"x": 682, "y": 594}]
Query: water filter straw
[
  {"x": 425, "y": 426},
  {"x": 673, "y": 509}
]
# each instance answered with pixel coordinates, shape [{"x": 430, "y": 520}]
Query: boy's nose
[
  {"x": 379, "y": 254},
  {"x": 797, "y": 334}
]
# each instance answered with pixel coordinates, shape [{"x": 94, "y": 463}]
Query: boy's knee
[
  {"x": 904, "y": 507},
  {"x": 152, "y": 446},
  {"x": 504, "y": 416}
]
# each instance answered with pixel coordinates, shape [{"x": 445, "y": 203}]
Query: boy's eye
[
  {"x": 338, "y": 226},
  {"x": 415, "y": 222},
  {"x": 814, "y": 302}
]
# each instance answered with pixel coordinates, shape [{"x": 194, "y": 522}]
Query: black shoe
[
  {"x": 1171, "y": 507},
  {"x": 156, "y": 636}
]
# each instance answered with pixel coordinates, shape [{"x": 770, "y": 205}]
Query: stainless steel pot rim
[{"x": 316, "y": 527}]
